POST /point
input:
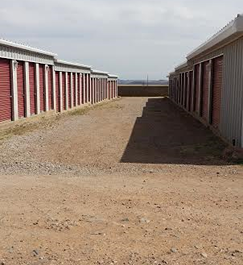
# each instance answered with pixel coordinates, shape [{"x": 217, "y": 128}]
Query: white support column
[
  {"x": 14, "y": 66},
  {"x": 72, "y": 88},
  {"x": 46, "y": 88},
  {"x": 27, "y": 89},
  {"x": 66, "y": 89},
  {"x": 37, "y": 86},
  {"x": 60, "y": 91},
  {"x": 76, "y": 89},
  {"x": 54, "y": 88},
  {"x": 85, "y": 87}
]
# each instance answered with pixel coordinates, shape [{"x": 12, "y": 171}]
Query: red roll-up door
[
  {"x": 42, "y": 97},
  {"x": 21, "y": 90},
  {"x": 69, "y": 89},
  {"x": 74, "y": 90},
  {"x": 64, "y": 91},
  {"x": 57, "y": 92},
  {"x": 197, "y": 86},
  {"x": 191, "y": 92},
  {"x": 78, "y": 99},
  {"x": 205, "y": 88},
  {"x": 50, "y": 88},
  {"x": 32, "y": 89},
  {"x": 5, "y": 91},
  {"x": 82, "y": 88},
  {"x": 217, "y": 88}
]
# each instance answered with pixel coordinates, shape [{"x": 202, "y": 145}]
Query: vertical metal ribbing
[
  {"x": 46, "y": 88},
  {"x": 27, "y": 89},
  {"x": 15, "y": 114},
  {"x": 37, "y": 85},
  {"x": 60, "y": 91},
  {"x": 210, "y": 92},
  {"x": 200, "y": 94},
  {"x": 54, "y": 89}
]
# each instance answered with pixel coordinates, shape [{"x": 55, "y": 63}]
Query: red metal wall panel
[
  {"x": 69, "y": 89},
  {"x": 190, "y": 91},
  {"x": 89, "y": 87},
  {"x": 205, "y": 88},
  {"x": 78, "y": 99},
  {"x": 74, "y": 90},
  {"x": 64, "y": 91},
  {"x": 197, "y": 86},
  {"x": 21, "y": 90},
  {"x": 32, "y": 88},
  {"x": 57, "y": 92},
  {"x": 5, "y": 91},
  {"x": 50, "y": 89},
  {"x": 217, "y": 88},
  {"x": 42, "y": 92}
]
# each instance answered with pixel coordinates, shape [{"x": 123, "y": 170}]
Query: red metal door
[
  {"x": 191, "y": 92},
  {"x": 21, "y": 90},
  {"x": 57, "y": 92},
  {"x": 5, "y": 91},
  {"x": 50, "y": 88},
  {"x": 42, "y": 92},
  {"x": 197, "y": 86},
  {"x": 205, "y": 88},
  {"x": 32, "y": 88},
  {"x": 74, "y": 90},
  {"x": 64, "y": 91},
  {"x": 82, "y": 89},
  {"x": 78, "y": 99},
  {"x": 69, "y": 89},
  {"x": 217, "y": 88}
]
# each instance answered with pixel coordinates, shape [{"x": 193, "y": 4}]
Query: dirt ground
[{"x": 134, "y": 181}]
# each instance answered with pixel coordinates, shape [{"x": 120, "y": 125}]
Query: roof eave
[
  {"x": 26, "y": 48},
  {"x": 83, "y": 66},
  {"x": 234, "y": 27}
]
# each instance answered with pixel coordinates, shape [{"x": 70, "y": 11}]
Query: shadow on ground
[{"x": 165, "y": 134}]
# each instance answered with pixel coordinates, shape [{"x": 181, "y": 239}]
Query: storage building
[
  {"x": 33, "y": 81},
  {"x": 209, "y": 85}
]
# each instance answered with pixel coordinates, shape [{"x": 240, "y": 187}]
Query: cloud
[{"x": 131, "y": 38}]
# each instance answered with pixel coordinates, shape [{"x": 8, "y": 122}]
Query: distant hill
[{"x": 143, "y": 82}]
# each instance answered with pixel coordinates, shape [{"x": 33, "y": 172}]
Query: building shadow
[{"x": 166, "y": 134}]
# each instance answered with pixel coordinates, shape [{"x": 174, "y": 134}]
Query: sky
[{"x": 130, "y": 38}]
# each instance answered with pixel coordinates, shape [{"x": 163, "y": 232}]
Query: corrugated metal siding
[
  {"x": 5, "y": 91},
  {"x": 50, "y": 88},
  {"x": 232, "y": 96},
  {"x": 57, "y": 91},
  {"x": 190, "y": 91},
  {"x": 42, "y": 96},
  {"x": 29, "y": 56},
  {"x": 74, "y": 90},
  {"x": 197, "y": 85},
  {"x": 32, "y": 88},
  {"x": 21, "y": 92},
  {"x": 69, "y": 89},
  {"x": 217, "y": 88},
  {"x": 64, "y": 91},
  {"x": 78, "y": 99},
  {"x": 205, "y": 89}
]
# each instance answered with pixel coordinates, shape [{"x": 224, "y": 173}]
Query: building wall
[
  {"x": 142, "y": 91},
  {"x": 231, "y": 105}
]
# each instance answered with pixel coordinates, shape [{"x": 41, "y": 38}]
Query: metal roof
[
  {"x": 112, "y": 76},
  {"x": 25, "y": 47},
  {"x": 98, "y": 72},
  {"x": 180, "y": 66},
  {"x": 83, "y": 66},
  {"x": 232, "y": 28}
]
